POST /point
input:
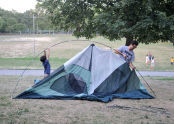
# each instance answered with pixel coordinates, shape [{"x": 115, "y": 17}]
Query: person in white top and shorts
[
  {"x": 147, "y": 60},
  {"x": 152, "y": 62}
]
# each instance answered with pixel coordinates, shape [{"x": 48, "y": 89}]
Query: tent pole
[
  {"x": 35, "y": 56},
  {"x": 146, "y": 82}
]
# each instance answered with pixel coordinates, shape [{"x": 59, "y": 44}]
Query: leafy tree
[
  {"x": 43, "y": 21},
  {"x": 19, "y": 27},
  {"x": 12, "y": 21},
  {"x": 145, "y": 21},
  {"x": 1, "y": 24}
]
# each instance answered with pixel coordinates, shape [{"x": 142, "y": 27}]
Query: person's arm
[
  {"x": 132, "y": 66},
  {"x": 45, "y": 53},
  {"x": 130, "y": 63},
  {"x": 118, "y": 52},
  {"x": 48, "y": 55}
]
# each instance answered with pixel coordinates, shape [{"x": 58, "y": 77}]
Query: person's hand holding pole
[{"x": 132, "y": 66}]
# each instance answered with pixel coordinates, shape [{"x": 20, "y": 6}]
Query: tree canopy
[{"x": 147, "y": 21}]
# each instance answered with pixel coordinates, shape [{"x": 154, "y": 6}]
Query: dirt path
[{"x": 40, "y": 72}]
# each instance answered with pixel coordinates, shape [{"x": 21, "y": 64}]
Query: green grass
[
  {"x": 22, "y": 63},
  {"x": 161, "y": 78},
  {"x": 34, "y": 63}
]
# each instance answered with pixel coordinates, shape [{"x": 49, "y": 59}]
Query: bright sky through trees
[{"x": 18, "y": 5}]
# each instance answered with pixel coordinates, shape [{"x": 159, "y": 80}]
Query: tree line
[{"x": 14, "y": 22}]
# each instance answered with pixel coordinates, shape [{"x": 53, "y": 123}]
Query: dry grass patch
[{"x": 81, "y": 111}]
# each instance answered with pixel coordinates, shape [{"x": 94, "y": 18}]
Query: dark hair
[
  {"x": 134, "y": 42},
  {"x": 43, "y": 58}
]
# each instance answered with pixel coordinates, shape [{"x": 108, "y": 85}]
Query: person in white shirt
[
  {"x": 152, "y": 62},
  {"x": 147, "y": 60}
]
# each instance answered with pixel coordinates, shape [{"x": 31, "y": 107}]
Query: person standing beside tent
[
  {"x": 152, "y": 62},
  {"x": 150, "y": 57},
  {"x": 126, "y": 53},
  {"x": 45, "y": 62},
  {"x": 172, "y": 61},
  {"x": 147, "y": 60}
]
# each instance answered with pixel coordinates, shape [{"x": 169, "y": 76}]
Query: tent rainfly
[{"x": 93, "y": 74}]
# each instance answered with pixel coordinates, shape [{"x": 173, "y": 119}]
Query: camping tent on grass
[{"x": 93, "y": 74}]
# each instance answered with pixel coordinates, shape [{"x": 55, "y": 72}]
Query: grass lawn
[
  {"x": 34, "y": 111},
  {"x": 17, "y": 51},
  {"x": 22, "y": 63}
]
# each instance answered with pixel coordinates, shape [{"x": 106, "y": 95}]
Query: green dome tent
[{"x": 93, "y": 74}]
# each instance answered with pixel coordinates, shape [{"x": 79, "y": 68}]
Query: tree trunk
[
  {"x": 128, "y": 40},
  {"x": 171, "y": 40}
]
